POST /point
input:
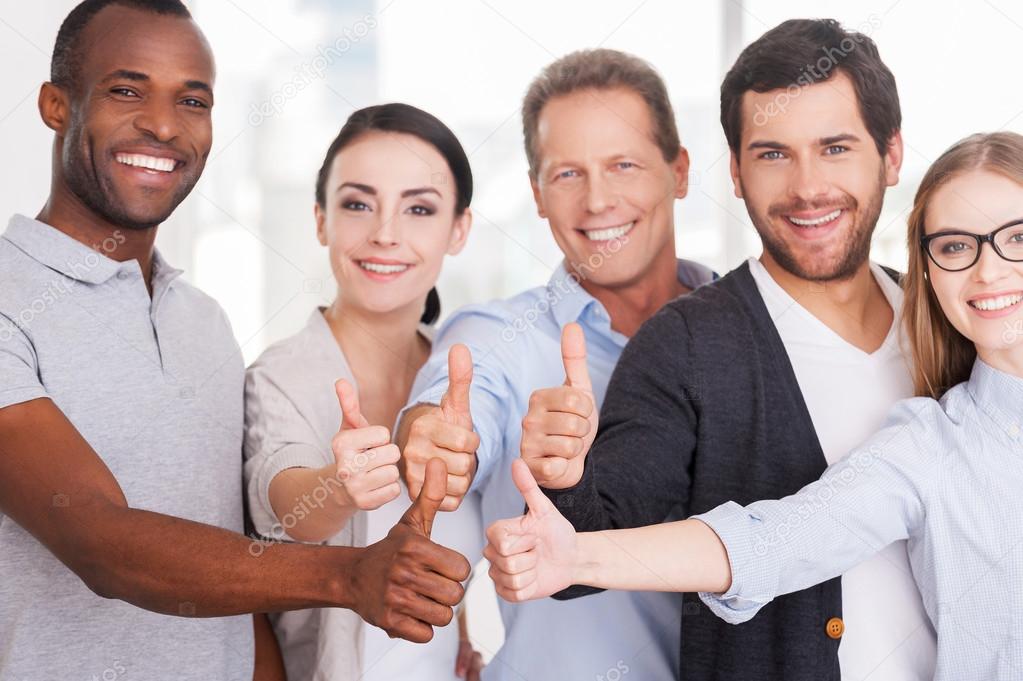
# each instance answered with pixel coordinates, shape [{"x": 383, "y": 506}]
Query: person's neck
[
  {"x": 385, "y": 351},
  {"x": 67, "y": 213},
  {"x": 630, "y": 305},
  {"x": 1009, "y": 360},
  {"x": 854, "y": 308}
]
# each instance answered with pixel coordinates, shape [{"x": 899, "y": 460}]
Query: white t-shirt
[{"x": 848, "y": 393}]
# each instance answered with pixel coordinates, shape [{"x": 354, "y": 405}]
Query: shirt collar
[
  {"x": 570, "y": 301},
  {"x": 998, "y": 394},
  {"x": 70, "y": 257}
]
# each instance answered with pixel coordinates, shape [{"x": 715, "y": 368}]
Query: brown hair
[
  {"x": 943, "y": 357},
  {"x": 600, "y": 69},
  {"x": 801, "y": 52}
]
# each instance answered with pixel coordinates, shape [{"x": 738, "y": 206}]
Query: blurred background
[{"x": 290, "y": 72}]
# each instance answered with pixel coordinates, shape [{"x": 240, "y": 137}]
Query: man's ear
[
  {"x": 54, "y": 108},
  {"x": 680, "y": 166},
  {"x": 321, "y": 224},
  {"x": 893, "y": 159},
  {"x": 537, "y": 197},
  {"x": 733, "y": 169},
  {"x": 460, "y": 232}
]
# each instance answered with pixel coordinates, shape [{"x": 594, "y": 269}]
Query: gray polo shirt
[{"x": 155, "y": 386}]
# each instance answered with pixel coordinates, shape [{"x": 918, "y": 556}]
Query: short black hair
[
  {"x": 785, "y": 57},
  {"x": 65, "y": 66}
]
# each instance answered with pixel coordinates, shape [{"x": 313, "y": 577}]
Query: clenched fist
[
  {"x": 445, "y": 433},
  {"x": 406, "y": 584},
  {"x": 365, "y": 458},
  {"x": 561, "y": 422}
]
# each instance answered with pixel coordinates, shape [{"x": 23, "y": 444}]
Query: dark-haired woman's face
[
  {"x": 983, "y": 302},
  {"x": 389, "y": 219}
]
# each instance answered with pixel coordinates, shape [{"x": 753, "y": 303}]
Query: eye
[
  {"x": 955, "y": 247},
  {"x": 194, "y": 103},
  {"x": 835, "y": 149},
  {"x": 354, "y": 205},
  {"x": 771, "y": 155},
  {"x": 421, "y": 210},
  {"x": 625, "y": 165},
  {"x": 566, "y": 174},
  {"x": 124, "y": 92}
]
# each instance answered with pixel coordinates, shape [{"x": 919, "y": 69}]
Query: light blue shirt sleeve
[
  {"x": 491, "y": 387},
  {"x": 861, "y": 504}
]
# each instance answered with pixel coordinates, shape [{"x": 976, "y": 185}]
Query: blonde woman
[{"x": 944, "y": 473}]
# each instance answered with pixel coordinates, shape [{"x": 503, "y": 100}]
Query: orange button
[{"x": 835, "y": 627}]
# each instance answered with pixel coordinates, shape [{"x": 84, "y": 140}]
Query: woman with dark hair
[{"x": 392, "y": 200}]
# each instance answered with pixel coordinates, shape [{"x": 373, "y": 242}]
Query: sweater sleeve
[{"x": 637, "y": 472}]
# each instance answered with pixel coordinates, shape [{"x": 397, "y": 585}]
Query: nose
[
  {"x": 599, "y": 195},
  {"x": 386, "y": 232},
  {"x": 159, "y": 118},
  {"x": 990, "y": 266},
  {"x": 807, "y": 181}
]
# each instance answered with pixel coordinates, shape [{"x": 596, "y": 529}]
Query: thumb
[
  {"x": 421, "y": 513},
  {"x": 348, "y": 398},
  {"x": 573, "y": 354},
  {"x": 536, "y": 500},
  {"x": 456, "y": 400}
]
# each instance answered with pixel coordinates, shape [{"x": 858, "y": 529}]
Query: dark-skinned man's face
[{"x": 140, "y": 127}]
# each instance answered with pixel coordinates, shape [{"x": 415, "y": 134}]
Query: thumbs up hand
[
  {"x": 406, "y": 584},
  {"x": 532, "y": 556},
  {"x": 445, "y": 433},
  {"x": 365, "y": 459},
  {"x": 561, "y": 422}
]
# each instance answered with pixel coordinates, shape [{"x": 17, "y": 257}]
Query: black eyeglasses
[{"x": 955, "y": 251}]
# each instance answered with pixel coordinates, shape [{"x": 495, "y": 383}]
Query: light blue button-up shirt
[
  {"x": 516, "y": 349},
  {"x": 946, "y": 476}
]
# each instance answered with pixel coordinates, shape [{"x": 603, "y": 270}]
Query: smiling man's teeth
[
  {"x": 609, "y": 233},
  {"x": 994, "y": 304},
  {"x": 382, "y": 269},
  {"x": 164, "y": 165},
  {"x": 817, "y": 221}
]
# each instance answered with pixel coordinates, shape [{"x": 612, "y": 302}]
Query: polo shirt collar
[{"x": 70, "y": 257}]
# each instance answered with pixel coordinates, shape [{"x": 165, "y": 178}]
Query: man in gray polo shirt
[{"x": 121, "y": 401}]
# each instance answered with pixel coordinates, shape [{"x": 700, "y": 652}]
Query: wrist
[{"x": 584, "y": 564}]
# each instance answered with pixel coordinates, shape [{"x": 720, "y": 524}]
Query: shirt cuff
[
  {"x": 733, "y": 525},
  {"x": 264, "y": 519}
]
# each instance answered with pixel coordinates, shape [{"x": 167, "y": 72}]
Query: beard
[
  {"x": 97, "y": 189},
  {"x": 838, "y": 262}
]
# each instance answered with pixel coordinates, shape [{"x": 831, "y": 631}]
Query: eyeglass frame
[{"x": 981, "y": 239}]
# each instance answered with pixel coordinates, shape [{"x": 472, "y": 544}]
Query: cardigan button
[{"x": 835, "y": 627}]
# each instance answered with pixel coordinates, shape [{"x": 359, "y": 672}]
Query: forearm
[
  {"x": 679, "y": 556},
  {"x": 179, "y": 567},
  {"x": 309, "y": 503}
]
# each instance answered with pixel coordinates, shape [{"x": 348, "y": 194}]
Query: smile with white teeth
[
  {"x": 382, "y": 269},
  {"x": 995, "y": 304},
  {"x": 610, "y": 233},
  {"x": 154, "y": 164},
  {"x": 816, "y": 221}
]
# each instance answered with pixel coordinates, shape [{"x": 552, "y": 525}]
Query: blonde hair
[{"x": 943, "y": 357}]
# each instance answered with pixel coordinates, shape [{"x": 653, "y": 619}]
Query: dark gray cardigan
[{"x": 704, "y": 408}]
